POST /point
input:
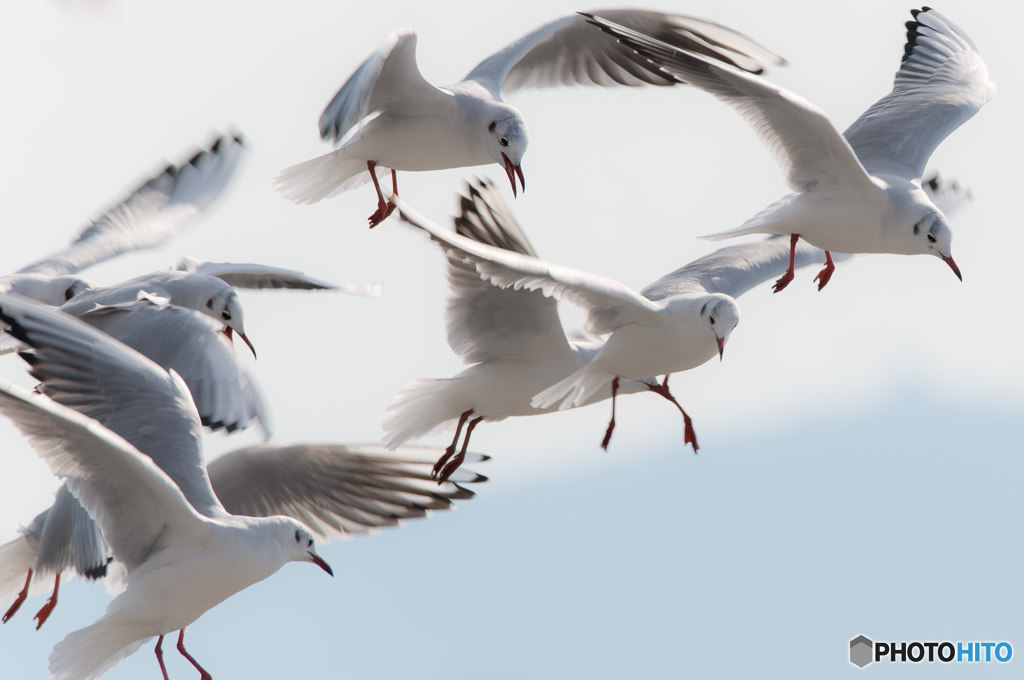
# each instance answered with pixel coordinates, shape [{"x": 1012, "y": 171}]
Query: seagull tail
[
  {"x": 767, "y": 221},
  {"x": 16, "y": 558},
  {"x": 572, "y": 391},
  {"x": 423, "y": 406},
  {"x": 88, "y": 653},
  {"x": 321, "y": 177}
]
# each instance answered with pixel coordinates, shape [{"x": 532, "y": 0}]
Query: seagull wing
[
  {"x": 249, "y": 275},
  {"x": 335, "y": 489},
  {"x": 90, "y": 372},
  {"x": 193, "y": 346},
  {"x": 608, "y": 303},
  {"x": 388, "y": 78},
  {"x": 941, "y": 83},
  {"x": 567, "y": 52},
  {"x": 152, "y": 213},
  {"x": 806, "y": 146},
  {"x": 486, "y": 322},
  {"x": 137, "y": 506},
  {"x": 734, "y": 270}
]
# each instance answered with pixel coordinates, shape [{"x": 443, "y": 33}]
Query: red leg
[
  {"x": 788, "y": 276},
  {"x": 689, "y": 435},
  {"x": 825, "y": 274},
  {"x": 455, "y": 462},
  {"x": 611, "y": 423},
  {"x": 18, "y": 601},
  {"x": 384, "y": 208},
  {"x": 450, "y": 451},
  {"x": 181, "y": 648},
  {"x": 47, "y": 609},
  {"x": 160, "y": 656}
]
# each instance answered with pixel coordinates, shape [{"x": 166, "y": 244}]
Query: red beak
[
  {"x": 517, "y": 170},
  {"x": 227, "y": 332},
  {"x": 721, "y": 347},
  {"x": 319, "y": 561},
  {"x": 952, "y": 265}
]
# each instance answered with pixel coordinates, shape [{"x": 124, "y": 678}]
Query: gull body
[
  {"x": 183, "y": 550},
  {"x": 510, "y": 327},
  {"x": 388, "y": 116},
  {"x": 860, "y": 191}
]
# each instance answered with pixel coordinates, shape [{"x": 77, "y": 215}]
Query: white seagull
[
  {"x": 387, "y": 116},
  {"x": 860, "y": 191},
  {"x": 152, "y": 213},
  {"x": 183, "y": 550},
  {"x": 524, "y": 363}
]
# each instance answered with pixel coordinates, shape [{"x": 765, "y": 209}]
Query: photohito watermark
[{"x": 864, "y": 651}]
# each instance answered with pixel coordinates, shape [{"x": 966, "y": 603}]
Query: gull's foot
[
  {"x": 439, "y": 466},
  {"x": 608, "y": 434},
  {"x": 451, "y": 467},
  {"x": 689, "y": 435},
  {"x": 783, "y": 282},
  {"x": 383, "y": 211},
  {"x": 18, "y": 601},
  {"x": 825, "y": 274}
]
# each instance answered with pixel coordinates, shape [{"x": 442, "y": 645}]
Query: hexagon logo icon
[{"x": 861, "y": 651}]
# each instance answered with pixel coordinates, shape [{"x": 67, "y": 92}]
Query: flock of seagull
[{"x": 129, "y": 375}]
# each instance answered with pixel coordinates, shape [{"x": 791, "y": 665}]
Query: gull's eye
[
  {"x": 226, "y": 316},
  {"x": 712, "y": 319},
  {"x": 503, "y": 141},
  {"x": 931, "y": 238},
  {"x": 309, "y": 544}
]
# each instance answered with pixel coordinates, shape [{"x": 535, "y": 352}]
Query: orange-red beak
[
  {"x": 512, "y": 171},
  {"x": 721, "y": 347},
  {"x": 319, "y": 561},
  {"x": 245, "y": 339},
  {"x": 952, "y": 265}
]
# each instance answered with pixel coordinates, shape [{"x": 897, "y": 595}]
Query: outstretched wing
[
  {"x": 942, "y": 82},
  {"x": 566, "y": 52},
  {"x": 152, "y": 213}
]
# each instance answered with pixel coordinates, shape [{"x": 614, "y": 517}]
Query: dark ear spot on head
[
  {"x": 703, "y": 307},
  {"x": 209, "y": 303},
  {"x": 297, "y": 537},
  {"x": 494, "y": 124},
  {"x": 917, "y": 228}
]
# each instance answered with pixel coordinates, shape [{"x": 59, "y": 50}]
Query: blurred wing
[
  {"x": 248, "y": 275},
  {"x": 567, "y": 52},
  {"x": 70, "y": 539},
  {"x": 941, "y": 83},
  {"x": 335, "y": 489},
  {"x": 153, "y": 213},
  {"x": 88, "y": 371},
  {"x": 192, "y": 345},
  {"x": 486, "y": 322},
  {"x": 734, "y": 270},
  {"x": 389, "y": 77},
  {"x": 807, "y": 148},
  {"x": 137, "y": 506},
  {"x": 608, "y": 303},
  {"x": 947, "y": 195}
]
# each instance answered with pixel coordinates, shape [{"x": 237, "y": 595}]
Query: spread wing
[
  {"x": 806, "y": 146},
  {"x": 941, "y": 83},
  {"x": 335, "y": 489},
  {"x": 608, "y": 303},
  {"x": 152, "y": 213},
  {"x": 566, "y": 52}
]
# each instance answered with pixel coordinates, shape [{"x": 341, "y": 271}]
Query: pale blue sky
[{"x": 861, "y": 462}]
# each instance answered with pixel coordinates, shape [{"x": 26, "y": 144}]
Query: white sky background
[{"x": 893, "y": 398}]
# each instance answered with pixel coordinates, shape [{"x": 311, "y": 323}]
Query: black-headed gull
[
  {"x": 387, "y": 116},
  {"x": 675, "y": 324},
  {"x": 859, "y": 192},
  {"x": 146, "y": 218},
  {"x": 183, "y": 550}
]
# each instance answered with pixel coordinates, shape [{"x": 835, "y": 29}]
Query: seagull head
[
  {"x": 507, "y": 140},
  {"x": 213, "y": 297},
  {"x": 288, "y": 539},
  {"x": 932, "y": 235},
  {"x": 721, "y": 314}
]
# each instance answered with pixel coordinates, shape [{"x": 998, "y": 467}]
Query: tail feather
[
  {"x": 88, "y": 653},
  {"x": 16, "y": 558},
  {"x": 767, "y": 221},
  {"x": 420, "y": 408},
  {"x": 572, "y": 391},
  {"x": 321, "y": 177}
]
